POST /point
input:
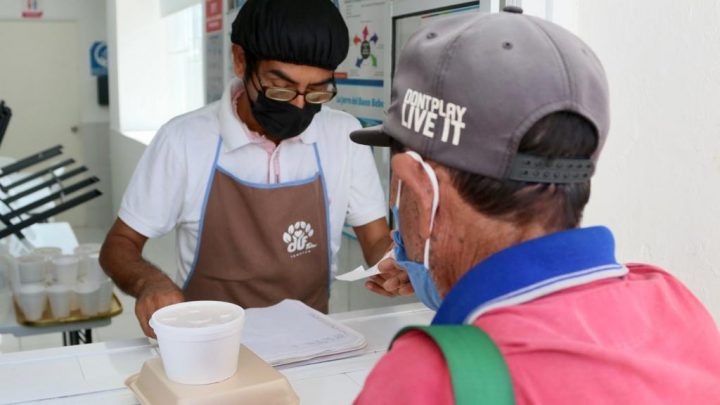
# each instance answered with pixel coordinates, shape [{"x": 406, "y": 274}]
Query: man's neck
[{"x": 469, "y": 238}]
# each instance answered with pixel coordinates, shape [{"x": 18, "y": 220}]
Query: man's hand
[
  {"x": 392, "y": 281},
  {"x": 156, "y": 293}
]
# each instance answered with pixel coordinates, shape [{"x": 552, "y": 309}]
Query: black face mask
[{"x": 281, "y": 119}]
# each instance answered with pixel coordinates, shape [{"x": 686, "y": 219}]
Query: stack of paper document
[{"x": 291, "y": 332}]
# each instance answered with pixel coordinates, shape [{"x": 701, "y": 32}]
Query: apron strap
[
  {"x": 478, "y": 370},
  {"x": 321, "y": 172},
  {"x": 208, "y": 186},
  {"x": 317, "y": 160}
]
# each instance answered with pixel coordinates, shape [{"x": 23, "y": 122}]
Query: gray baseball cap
[{"x": 467, "y": 89}]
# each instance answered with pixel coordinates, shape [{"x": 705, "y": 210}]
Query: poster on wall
[
  {"x": 360, "y": 77},
  {"x": 213, "y": 16},
  {"x": 98, "y": 59},
  {"x": 214, "y": 84},
  {"x": 214, "y": 62}
]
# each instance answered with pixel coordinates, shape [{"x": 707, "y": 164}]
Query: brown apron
[{"x": 261, "y": 243}]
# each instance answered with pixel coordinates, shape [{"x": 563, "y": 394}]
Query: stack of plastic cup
[
  {"x": 93, "y": 271},
  {"x": 69, "y": 282},
  {"x": 82, "y": 252},
  {"x": 199, "y": 340},
  {"x": 94, "y": 275}
]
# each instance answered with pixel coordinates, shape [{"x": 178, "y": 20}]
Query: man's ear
[
  {"x": 415, "y": 181},
  {"x": 239, "y": 64}
]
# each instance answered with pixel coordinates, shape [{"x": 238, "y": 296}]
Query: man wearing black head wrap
[
  {"x": 259, "y": 184},
  {"x": 279, "y": 47}
]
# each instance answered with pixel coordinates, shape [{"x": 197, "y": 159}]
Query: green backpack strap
[{"x": 478, "y": 370}]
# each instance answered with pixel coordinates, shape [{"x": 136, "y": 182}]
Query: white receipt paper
[{"x": 360, "y": 272}]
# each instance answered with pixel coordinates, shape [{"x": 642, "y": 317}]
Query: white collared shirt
[{"x": 168, "y": 187}]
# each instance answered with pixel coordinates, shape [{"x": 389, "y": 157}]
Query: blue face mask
[{"x": 419, "y": 273}]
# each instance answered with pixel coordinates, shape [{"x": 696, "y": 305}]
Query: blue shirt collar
[{"x": 530, "y": 270}]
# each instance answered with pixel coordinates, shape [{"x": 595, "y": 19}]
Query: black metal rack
[
  {"x": 47, "y": 178},
  {"x": 5, "y": 114}
]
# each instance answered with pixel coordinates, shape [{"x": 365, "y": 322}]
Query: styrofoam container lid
[{"x": 198, "y": 320}]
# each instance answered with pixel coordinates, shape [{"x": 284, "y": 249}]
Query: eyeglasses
[{"x": 287, "y": 95}]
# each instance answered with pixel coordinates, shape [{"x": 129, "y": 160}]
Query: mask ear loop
[
  {"x": 436, "y": 196},
  {"x": 397, "y": 195}
]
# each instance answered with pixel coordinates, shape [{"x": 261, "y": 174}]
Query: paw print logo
[{"x": 297, "y": 236}]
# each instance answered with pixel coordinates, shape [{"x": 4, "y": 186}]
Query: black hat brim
[{"x": 371, "y": 136}]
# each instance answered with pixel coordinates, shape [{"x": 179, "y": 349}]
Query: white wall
[
  {"x": 141, "y": 69},
  {"x": 152, "y": 73},
  {"x": 658, "y": 175},
  {"x": 90, "y": 18}
]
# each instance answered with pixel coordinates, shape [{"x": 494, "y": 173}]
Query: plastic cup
[
  {"x": 60, "y": 296},
  {"x": 32, "y": 299},
  {"x": 65, "y": 269},
  {"x": 199, "y": 340},
  {"x": 105, "y": 294},
  {"x": 93, "y": 271},
  {"x": 83, "y": 251},
  {"x": 87, "y": 295},
  {"x": 32, "y": 269}
]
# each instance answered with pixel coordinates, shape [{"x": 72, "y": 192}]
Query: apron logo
[{"x": 297, "y": 238}]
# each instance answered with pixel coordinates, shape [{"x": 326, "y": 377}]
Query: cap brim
[{"x": 372, "y": 136}]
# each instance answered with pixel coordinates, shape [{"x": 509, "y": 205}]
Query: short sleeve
[
  {"x": 412, "y": 372},
  {"x": 153, "y": 199},
  {"x": 366, "y": 201}
]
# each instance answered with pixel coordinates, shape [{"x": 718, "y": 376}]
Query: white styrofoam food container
[{"x": 199, "y": 340}]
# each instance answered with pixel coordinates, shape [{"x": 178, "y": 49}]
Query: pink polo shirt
[{"x": 638, "y": 339}]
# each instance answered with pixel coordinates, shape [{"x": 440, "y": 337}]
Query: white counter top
[{"x": 95, "y": 373}]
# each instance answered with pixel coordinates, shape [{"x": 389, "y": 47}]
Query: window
[{"x": 183, "y": 30}]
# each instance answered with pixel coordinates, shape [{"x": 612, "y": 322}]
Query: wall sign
[
  {"x": 31, "y": 9},
  {"x": 360, "y": 78},
  {"x": 213, "y": 15},
  {"x": 98, "y": 59}
]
